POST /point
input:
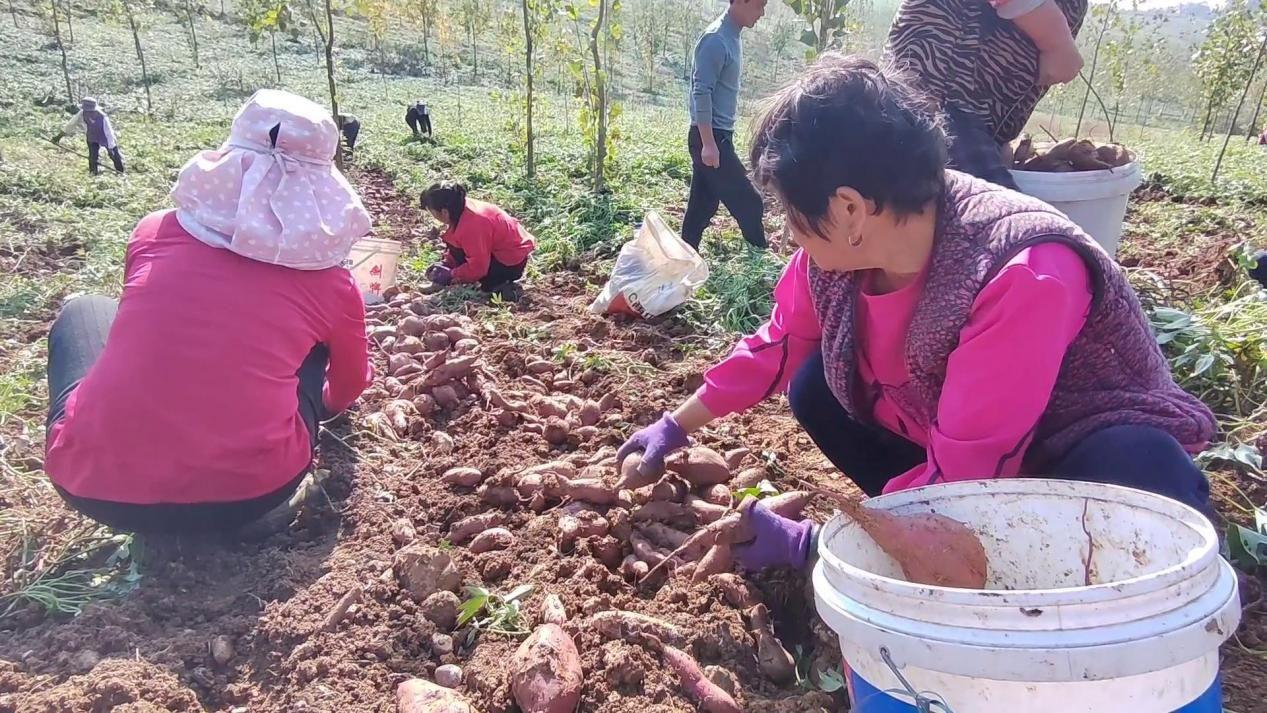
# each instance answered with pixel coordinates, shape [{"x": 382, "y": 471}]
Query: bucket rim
[
  {"x": 383, "y": 242},
  {"x": 1191, "y": 565},
  {"x": 1123, "y": 172}
]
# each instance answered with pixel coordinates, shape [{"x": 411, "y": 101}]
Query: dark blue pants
[{"x": 1138, "y": 457}]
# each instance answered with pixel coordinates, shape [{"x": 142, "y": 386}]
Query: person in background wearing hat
[
  {"x": 486, "y": 245},
  {"x": 987, "y": 62},
  {"x": 192, "y": 404},
  {"x": 419, "y": 119},
  {"x": 91, "y": 121}
]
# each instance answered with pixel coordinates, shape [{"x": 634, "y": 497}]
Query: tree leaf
[{"x": 1247, "y": 549}]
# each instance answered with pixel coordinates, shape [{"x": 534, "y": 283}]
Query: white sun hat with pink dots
[{"x": 280, "y": 202}]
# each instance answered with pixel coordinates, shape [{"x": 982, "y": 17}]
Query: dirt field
[{"x": 230, "y": 626}]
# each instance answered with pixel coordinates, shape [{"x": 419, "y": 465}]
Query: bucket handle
[{"x": 924, "y": 701}]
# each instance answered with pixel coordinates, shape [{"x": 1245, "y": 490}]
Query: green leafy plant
[
  {"x": 764, "y": 489},
  {"x": 494, "y": 613},
  {"x": 1247, "y": 548},
  {"x": 826, "y": 23}
]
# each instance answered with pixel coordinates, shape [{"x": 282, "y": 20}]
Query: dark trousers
[
  {"x": 419, "y": 121},
  {"x": 974, "y": 150},
  {"x": 94, "y": 155},
  {"x": 1138, "y": 457},
  {"x": 727, "y": 185},
  {"x": 498, "y": 276},
  {"x": 76, "y": 341},
  {"x": 351, "y": 129}
]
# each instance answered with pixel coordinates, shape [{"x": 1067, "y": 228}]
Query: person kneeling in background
[
  {"x": 192, "y": 404},
  {"x": 485, "y": 244}
]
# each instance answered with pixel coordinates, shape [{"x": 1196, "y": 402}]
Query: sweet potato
[
  {"x": 705, "y": 511},
  {"x": 631, "y": 475},
  {"x": 633, "y": 568},
  {"x": 547, "y": 407},
  {"x": 425, "y": 404},
  {"x": 711, "y": 698},
  {"x": 773, "y": 660},
  {"x": 589, "y": 414},
  {"x": 716, "y": 494},
  {"x": 717, "y": 560},
  {"x": 539, "y": 366},
  {"x": 646, "y": 551},
  {"x": 626, "y": 625},
  {"x": 590, "y": 490},
  {"x": 534, "y": 384},
  {"x": 464, "y": 477},
  {"x": 456, "y": 334},
  {"x": 445, "y": 396},
  {"x": 408, "y": 345},
  {"x": 398, "y": 413},
  {"x": 421, "y": 696},
  {"x": 619, "y": 523},
  {"x": 397, "y": 362},
  {"x": 469, "y": 527},
  {"x": 670, "y": 488},
  {"x": 455, "y": 369},
  {"x": 735, "y": 457},
  {"x": 790, "y": 504},
  {"x": 439, "y": 322},
  {"x": 748, "y": 478},
  {"x": 500, "y": 496},
  {"x": 545, "y": 672},
  {"x": 529, "y": 484},
  {"x": 735, "y": 590},
  {"x": 607, "y": 550},
  {"x": 556, "y": 431},
  {"x": 381, "y": 334},
  {"x": 435, "y": 341},
  {"x": 552, "y": 610},
  {"x": 663, "y": 535},
  {"x": 701, "y": 466},
  {"x": 497, "y": 538},
  {"x": 668, "y": 512},
  {"x": 578, "y": 526},
  {"x": 411, "y": 327},
  {"x": 584, "y": 433}
]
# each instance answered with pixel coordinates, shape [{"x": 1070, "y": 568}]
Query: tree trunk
[
  {"x": 426, "y": 35},
  {"x": 1209, "y": 117},
  {"x": 13, "y": 11},
  {"x": 140, "y": 55},
  {"x": 531, "y": 157},
  {"x": 1258, "y": 60},
  {"x": 221, "y": 9},
  {"x": 272, "y": 35},
  {"x": 600, "y": 101},
  {"x": 1253, "y": 123},
  {"x": 1095, "y": 60},
  {"x": 193, "y": 32},
  {"x": 57, "y": 33},
  {"x": 70, "y": 26},
  {"x": 334, "y": 98}
]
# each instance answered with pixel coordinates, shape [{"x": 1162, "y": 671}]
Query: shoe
[{"x": 280, "y": 518}]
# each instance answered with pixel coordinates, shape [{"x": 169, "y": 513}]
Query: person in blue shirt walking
[{"x": 717, "y": 174}]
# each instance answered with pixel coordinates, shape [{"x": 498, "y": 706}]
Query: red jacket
[{"x": 485, "y": 232}]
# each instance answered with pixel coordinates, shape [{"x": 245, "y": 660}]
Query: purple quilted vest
[{"x": 1113, "y": 373}]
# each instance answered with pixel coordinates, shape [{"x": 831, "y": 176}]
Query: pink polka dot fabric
[{"x": 287, "y": 205}]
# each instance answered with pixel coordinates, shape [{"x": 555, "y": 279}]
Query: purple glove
[
  {"x": 655, "y": 442},
  {"x": 779, "y": 542},
  {"x": 440, "y": 274}
]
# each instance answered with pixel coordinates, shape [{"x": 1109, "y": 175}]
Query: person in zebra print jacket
[{"x": 987, "y": 62}]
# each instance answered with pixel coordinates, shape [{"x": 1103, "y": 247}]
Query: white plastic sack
[{"x": 655, "y": 272}]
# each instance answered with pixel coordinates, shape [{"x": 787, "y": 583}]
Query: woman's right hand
[{"x": 655, "y": 442}]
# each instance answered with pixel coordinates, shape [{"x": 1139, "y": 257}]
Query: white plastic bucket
[
  {"x": 373, "y": 264},
  {"x": 1095, "y": 200},
  {"x": 1143, "y": 637}
]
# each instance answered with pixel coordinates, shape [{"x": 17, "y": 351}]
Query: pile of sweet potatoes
[{"x": 1066, "y": 156}]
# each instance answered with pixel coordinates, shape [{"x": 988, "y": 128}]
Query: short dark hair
[
  {"x": 849, "y": 122},
  {"x": 446, "y": 195}
]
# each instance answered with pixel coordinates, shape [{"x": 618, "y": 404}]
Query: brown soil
[{"x": 271, "y": 603}]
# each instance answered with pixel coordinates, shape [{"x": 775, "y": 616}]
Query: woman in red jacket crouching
[{"x": 485, "y": 244}]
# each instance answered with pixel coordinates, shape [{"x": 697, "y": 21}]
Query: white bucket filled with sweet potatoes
[{"x": 1098, "y": 599}]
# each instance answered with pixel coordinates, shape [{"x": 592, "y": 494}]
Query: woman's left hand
[{"x": 440, "y": 274}]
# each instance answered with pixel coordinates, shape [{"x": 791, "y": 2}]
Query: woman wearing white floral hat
[{"x": 192, "y": 403}]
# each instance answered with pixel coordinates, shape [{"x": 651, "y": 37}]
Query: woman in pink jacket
[
  {"x": 192, "y": 403},
  {"x": 934, "y": 327}
]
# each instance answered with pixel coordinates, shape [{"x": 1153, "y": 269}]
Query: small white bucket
[
  {"x": 1142, "y": 637},
  {"x": 1095, "y": 200},
  {"x": 373, "y": 264}
]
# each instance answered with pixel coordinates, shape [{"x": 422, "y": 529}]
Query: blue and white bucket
[{"x": 1101, "y": 599}]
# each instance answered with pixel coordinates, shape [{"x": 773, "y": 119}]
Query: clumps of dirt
[{"x": 123, "y": 685}]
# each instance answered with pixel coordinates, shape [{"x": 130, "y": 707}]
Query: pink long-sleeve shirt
[
  {"x": 194, "y": 398},
  {"x": 998, "y": 380}
]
